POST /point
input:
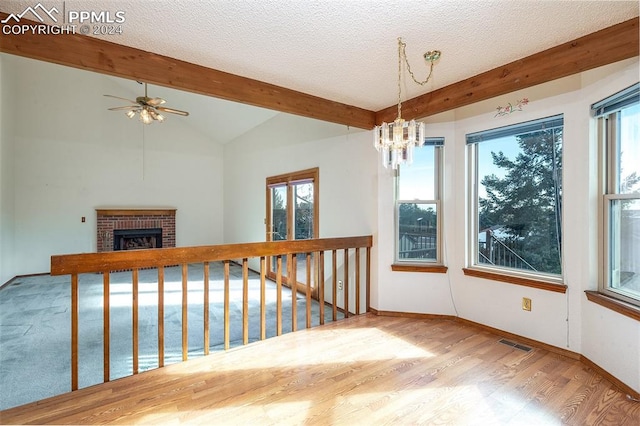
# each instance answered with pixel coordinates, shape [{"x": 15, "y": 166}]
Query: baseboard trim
[
  {"x": 616, "y": 382},
  {"x": 409, "y": 315},
  {"x": 522, "y": 339},
  {"x": 624, "y": 388}
]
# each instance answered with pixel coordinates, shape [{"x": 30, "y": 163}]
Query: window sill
[
  {"x": 513, "y": 279},
  {"x": 618, "y": 306},
  {"x": 436, "y": 269}
]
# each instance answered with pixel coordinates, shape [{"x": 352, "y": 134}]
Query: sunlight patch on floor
[{"x": 299, "y": 356}]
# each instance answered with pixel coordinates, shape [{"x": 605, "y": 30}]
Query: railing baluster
[
  {"x": 206, "y": 307},
  {"x": 161, "y": 316},
  {"x": 357, "y": 280},
  {"x": 346, "y": 283},
  {"x": 73, "y": 265},
  {"x": 308, "y": 290},
  {"x": 134, "y": 326},
  {"x": 226, "y": 304},
  {"x": 368, "y": 283},
  {"x": 106, "y": 327},
  {"x": 321, "y": 286},
  {"x": 245, "y": 301},
  {"x": 74, "y": 331},
  {"x": 263, "y": 304},
  {"x": 185, "y": 316},
  {"x": 334, "y": 261},
  {"x": 293, "y": 280},
  {"x": 279, "y": 296}
]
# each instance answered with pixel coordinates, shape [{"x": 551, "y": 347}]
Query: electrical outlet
[
  {"x": 340, "y": 285},
  {"x": 526, "y": 304}
]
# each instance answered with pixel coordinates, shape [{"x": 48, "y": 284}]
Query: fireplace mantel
[
  {"x": 136, "y": 212},
  {"x": 111, "y": 219}
]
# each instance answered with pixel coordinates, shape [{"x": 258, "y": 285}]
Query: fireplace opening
[{"x": 136, "y": 239}]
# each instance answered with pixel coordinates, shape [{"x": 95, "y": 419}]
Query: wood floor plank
[{"x": 383, "y": 370}]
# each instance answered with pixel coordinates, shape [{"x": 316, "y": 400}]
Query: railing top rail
[{"x": 136, "y": 259}]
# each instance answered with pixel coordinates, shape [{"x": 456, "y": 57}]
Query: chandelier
[{"x": 397, "y": 140}]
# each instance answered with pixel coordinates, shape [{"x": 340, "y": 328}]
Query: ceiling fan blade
[
  {"x": 155, "y": 101},
  {"x": 172, "y": 111},
  {"x": 122, "y": 99},
  {"x": 122, "y": 108}
]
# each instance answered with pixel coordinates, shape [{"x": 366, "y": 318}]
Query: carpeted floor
[{"x": 35, "y": 324}]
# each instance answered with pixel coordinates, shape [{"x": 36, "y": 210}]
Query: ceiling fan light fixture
[
  {"x": 147, "y": 108},
  {"x": 145, "y": 117}
]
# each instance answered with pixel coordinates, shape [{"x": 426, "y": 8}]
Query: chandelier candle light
[{"x": 397, "y": 140}]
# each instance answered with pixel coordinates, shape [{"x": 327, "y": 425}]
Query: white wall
[
  {"x": 609, "y": 339},
  {"x": 562, "y": 320},
  {"x": 430, "y": 292},
  {"x": 288, "y": 143},
  {"x": 7, "y": 267},
  {"x": 62, "y": 155},
  {"x": 71, "y": 156}
]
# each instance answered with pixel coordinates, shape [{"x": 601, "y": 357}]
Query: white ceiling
[{"x": 346, "y": 50}]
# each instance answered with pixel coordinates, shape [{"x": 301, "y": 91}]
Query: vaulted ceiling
[{"x": 337, "y": 60}]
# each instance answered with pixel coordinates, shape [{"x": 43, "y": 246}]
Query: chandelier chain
[
  {"x": 431, "y": 57},
  {"x": 402, "y": 46},
  {"x": 400, "y": 50}
]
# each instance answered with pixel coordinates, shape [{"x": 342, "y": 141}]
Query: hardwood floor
[{"x": 363, "y": 370}]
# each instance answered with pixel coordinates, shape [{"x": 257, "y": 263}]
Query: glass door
[{"x": 292, "y": 214}]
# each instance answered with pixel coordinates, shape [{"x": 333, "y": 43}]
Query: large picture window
[
  {"x": 515, "y": 188},
  {"x": 418, "y": 209},
  {"x": 619, "y": 135}
]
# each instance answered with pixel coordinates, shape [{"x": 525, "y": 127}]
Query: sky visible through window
[
  {"x": 417, "y": 181},
  {"x": 630, "y": 145}
]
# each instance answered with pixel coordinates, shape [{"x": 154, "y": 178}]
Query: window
[
  {"x": 618, "y": 120},
  {"x": 417, "y": 215},
  {"x": 515, "y": 182},
  {"x": 292, "y": 213}
]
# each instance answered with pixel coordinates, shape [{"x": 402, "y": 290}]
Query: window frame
[
  {"x": 289, "y": 180},
  {"x": 607, "y": 115},
  {"x": 422, "y": 265},
  {"x": 535, "y": 279}
]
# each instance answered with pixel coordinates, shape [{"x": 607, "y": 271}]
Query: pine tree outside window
[{"x": 515, "y": 189}]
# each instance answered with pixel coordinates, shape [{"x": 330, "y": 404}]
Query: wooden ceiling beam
[
  {"x": 603, "y": 47},
  {"x": 92, "y": 54}
]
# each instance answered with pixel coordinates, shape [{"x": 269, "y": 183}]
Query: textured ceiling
[{"x": 346, "y": 50}]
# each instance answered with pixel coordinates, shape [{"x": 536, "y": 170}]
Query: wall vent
[{"x": 514, "y": 345}]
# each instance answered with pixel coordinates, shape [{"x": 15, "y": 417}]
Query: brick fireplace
[{"x": 121, "y": 229}]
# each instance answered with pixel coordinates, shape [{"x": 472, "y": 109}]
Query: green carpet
[{"x": 35, "y": 324}]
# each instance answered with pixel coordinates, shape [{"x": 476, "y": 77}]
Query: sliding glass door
[{"x": 292, "y": 214}]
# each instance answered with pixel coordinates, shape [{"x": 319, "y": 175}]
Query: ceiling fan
[{"x": 149, "y": 109}]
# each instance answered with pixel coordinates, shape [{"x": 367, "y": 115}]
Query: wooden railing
[{"x": 105, "y": 263}]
